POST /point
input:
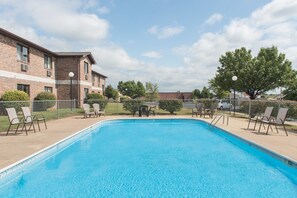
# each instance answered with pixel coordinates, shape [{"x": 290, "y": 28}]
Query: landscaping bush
[
  {"x": 12, "y": 99},
  {"x": 131, "y": 105},
  {"x": 96, "y": 98},
  {"x": 170, "y": 105},
  {"x": 43, "y": 101}
]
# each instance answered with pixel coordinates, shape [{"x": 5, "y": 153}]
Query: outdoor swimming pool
[{"x": 154, "y": 158}]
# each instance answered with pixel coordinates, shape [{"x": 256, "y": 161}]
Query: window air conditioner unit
[
  {"x": 24, "y": 67},
  {"x": 86, "y": 76},
  {"x": 49, "y": 73}
]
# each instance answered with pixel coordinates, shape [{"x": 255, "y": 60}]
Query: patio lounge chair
[
  {"x": 88, "y": 112},
  {"x": 198, "y": 110},
  {"x": 29, "y": 117},
  {"x": 210, "y": 112},
  {"x": 258, "y": 118},
  {"x": 97, "y": 110},
  {"x": 15, "y": 120},
  {"x": 279, "y": 120}
]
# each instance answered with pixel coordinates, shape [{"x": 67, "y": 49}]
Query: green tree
[
  {"x": 115, "y": 94},
  {"x": 205, "y": 93},
  {"x": 131, "y": 89},
  {"x": 109, "y": 92},
  {"x": 256, "y": 75},
  {"x": 196, "y": 94},
  {"x": 151, "y": 91}
]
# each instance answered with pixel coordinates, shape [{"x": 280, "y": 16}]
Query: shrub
[
  {"x": 12, "y": 99},
  {"x": 43, "y": 101},
  {"x": 96, "y": 98},
  {"x": 131, "y": 105},
  {"x": 170, "y": 105}
]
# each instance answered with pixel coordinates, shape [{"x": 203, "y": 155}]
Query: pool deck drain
[{"x": 16, "y": 147}]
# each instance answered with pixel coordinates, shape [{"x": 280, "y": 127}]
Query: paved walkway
[{"x": 16, "y": 147}]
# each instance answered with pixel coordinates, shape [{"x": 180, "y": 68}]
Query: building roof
[
  {"x": 83, "y": 54},
  {"x": 25, "y": 41},
  {"x": 99, "y": 74}
]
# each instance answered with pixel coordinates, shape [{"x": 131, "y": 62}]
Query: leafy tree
[
  {"x": 171, "y": 105},
  {"x": 196, "y": 94},
  {"x": 151, "y": 91},
  {"x": 219, "y": 93},
  {"x": 131, "y": 89},
  {"x": 204, "y": 93},
  {"x": 256, "y": 75},
  {"x": 109, "y": 92},
  {"x": 290, "y": 93}
]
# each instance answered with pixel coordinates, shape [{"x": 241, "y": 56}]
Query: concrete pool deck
[{"x": 16, "y": 147}]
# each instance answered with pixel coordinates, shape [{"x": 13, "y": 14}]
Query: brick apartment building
[{"x": 29, "y": 67}]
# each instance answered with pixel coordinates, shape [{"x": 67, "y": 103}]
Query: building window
[
  {"x": 22, "y": 53},
  {"x": 24, "y": 88},
  {"x": 48, "y": 89},
  {"x": 86, "y": 67},
  {"x": 47, "y": 62},
  {"x": 86, "y": 91}
]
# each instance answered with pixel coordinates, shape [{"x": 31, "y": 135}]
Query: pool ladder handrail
[{"x": 217, "y": 118}]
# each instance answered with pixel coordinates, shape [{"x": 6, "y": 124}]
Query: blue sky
[{"x": 175, "y": 44}]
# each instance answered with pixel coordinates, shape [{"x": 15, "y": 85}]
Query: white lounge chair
[
  {"x": 97, "y": 110},
  {"x": 279, "y": 120},
  {"x": 15, "y": 120},
  {"x": 37, "y": 118},
  {"x": 88, "y": 112}
]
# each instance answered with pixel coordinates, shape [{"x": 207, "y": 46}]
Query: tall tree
[
  {"x": 109, "y": 91},
  {"x": 196, "y": 94},
  {"x": 256, "y": 75},
  {"x": 131, "y": 89},
  {"x": 151, "y": 91}
]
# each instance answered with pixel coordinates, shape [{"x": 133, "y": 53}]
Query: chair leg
[
  {"x": 276, "y": 129},
  {"x": 8, "y": 129},
  {"x": 255, "y": 125},
  {"x": 268, "y": 128},
  {"x": 260, "y": 127},
  {"x": 285, "y": 130},
  {"x": 45, "y": 124},
  {"x": 38, "y": 125},
  {"x": 249, "y": 124}
]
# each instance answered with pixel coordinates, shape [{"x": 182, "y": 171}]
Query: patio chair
[
  {"x": 279, "y": 120},
  {"x": 88, "y": 112},
  {"x": 37, "y": 118},
  {"x": 15, "y": 120},
  {"x": 198, "y": 110},
  {"x": 260, "y": 117},
  {"x": 97, "y": 110},
  {"x": 210, "y": 112}
]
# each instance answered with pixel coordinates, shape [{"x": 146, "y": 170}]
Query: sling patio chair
[
  {"x": 97, "y": 110},
  {"x": 198, "y": 110},
  {"x": 15, "y": 120},
  {"x": 210, "y": 112},
  {"x": 88, "y": 112},
  {"x": 260, "y": 117},
  {"x": 37, "y": 118},
  {"x": 279, "y": 120}
]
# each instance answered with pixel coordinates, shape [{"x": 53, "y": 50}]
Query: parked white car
[{"x": 224, "y": 104}]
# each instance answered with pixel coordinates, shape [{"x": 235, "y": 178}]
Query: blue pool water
[{"x": 155, "y": 158}]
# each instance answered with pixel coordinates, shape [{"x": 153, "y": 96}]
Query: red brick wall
[
  {"x": 9, "y": 62},
  {"x": 175, "y": 95}
]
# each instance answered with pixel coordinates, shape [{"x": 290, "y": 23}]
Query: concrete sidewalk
[{"x": 16, "y": 147}]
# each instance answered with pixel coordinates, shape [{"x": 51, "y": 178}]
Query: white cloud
[
  {"x": 103, "y": 10},
  {"x": 60, "y": 18},
  {"x": 165, "y": 32},
  {"x": 214, "y": 19},
  {"x": 152, "y": 54}
]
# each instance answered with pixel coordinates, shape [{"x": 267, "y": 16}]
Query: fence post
[
  {"x": 57, "y": 109},
  {"x": 250, "y": 107}
]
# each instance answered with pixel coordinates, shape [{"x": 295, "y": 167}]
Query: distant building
[
  {"x": 175, "y": 95},
  {"x": 31, "y": 68}
]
